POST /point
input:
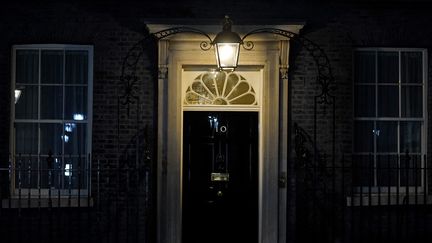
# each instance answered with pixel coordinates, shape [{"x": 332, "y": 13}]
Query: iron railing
[
  {"x": 333, "y": 203},
  {"x": 93, "y": 200},
  {"x": 365, "y": 198}
]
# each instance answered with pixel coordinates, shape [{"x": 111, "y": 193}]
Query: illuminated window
[
  {"x": 52, "y": 116},
  {"x": 220, "y": 88}
]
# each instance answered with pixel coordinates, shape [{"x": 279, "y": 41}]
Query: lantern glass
[{"x": 227, "y": 55}]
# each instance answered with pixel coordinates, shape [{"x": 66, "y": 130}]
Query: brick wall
[
  {"x": 112, "y": 36},
  {"x": 113, "y": 28}
]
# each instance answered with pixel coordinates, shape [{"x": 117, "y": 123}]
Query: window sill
[
  {"x": 34, "y": 202},
  {"x": 388, "y": 200}
]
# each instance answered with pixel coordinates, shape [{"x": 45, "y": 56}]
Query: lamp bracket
[
  {"x": 324, "y": 78},
  {"x": 204, "y": 45}
]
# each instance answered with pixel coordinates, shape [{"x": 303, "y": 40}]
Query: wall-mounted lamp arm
[
  {"x": 248, "y": 45},
  {"x": 205, "y": 45},
  {"x": 284, "y": 33}
]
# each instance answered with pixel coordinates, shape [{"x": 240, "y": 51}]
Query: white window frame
[
  {"x": 25, "y": 193},
  {"x": 400, "y": 189}
]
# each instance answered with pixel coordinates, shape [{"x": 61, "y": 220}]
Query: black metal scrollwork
[
  {"x": 308, "y": 159},
  {"x": 325, "y": 76},
  {"x": 248, "y": 45},
  {"x": 129, "y": 77}
]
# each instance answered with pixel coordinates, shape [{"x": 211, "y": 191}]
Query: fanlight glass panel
[{"x": 220, "y": 88}]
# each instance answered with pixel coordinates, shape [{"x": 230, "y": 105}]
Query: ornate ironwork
[
  {"x": 307, "y": 157},
  {"x": 325, "y": 76},
  {"x": 129, "y": 77},
  {"x": 301, "y": 138},
  {"x": 248, "y": 45},
  {"x": 204, "y": 45}
]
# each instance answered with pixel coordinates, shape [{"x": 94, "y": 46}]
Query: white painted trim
[
  {"x": 179, "y": 55},
  {"x": 388, "y": 199},
  {"x": 220, "y": 108},
  {"x": 388, "y": 49},
  {"x": 239, "y": 108},
  {"x": 424, "y": 119},
  {"x": 44, "y": 202},
  {"x": 52, "y": 47},
  {"x": 89, "y": 86},
  {"x": 283, "y": 138}
]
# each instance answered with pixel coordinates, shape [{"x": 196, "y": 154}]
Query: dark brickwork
[
  {"x": 117, "y": 215},
  {"x": 348, "y": 28},
  {"x": 114, "y": 27}
]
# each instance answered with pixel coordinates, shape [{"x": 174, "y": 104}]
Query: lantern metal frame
[{"x": 229, "y": 39}]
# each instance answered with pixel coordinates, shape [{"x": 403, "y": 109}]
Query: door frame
[
  {"x": 270, "y": 54},
  {"x": 257, "y": 71}
]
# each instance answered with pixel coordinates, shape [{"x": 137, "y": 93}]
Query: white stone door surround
[{"x": 270, "y": 57}]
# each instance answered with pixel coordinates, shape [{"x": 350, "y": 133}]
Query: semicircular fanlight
[{"x": 220, "y": 88}]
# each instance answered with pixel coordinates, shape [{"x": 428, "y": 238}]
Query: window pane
[
  {"x": 410, "y": 173},
  {"x": 386, "y": 136},
  {"x": 364, "y": 71},
  {"x": 364, "y": 101},
  {"x": 26, "y": 138},
  {"x": 75, "y": 138},
  {"x": 76, "y": 67},
  {"x": 76, "y": 103},
  {"x": 52, "y": 67},
  {"x": 412, "y": 66},
  {"x": 412, "y": 101},
  {"x": 363, "y": 136},
  {"x": 388, "y": 101},
  {"x": 363, "y": 170},
  {"x": 388, "y": 67},
  {"x": 27, "y": 66},
  {"x": 75, "y": 173},
  {"x": 387, "y": 170},
  {"x": 49, "y": 79},
  {"x": 51, "y": 136},
  {"x": 410, "y": 137},
  {"x": 27, "y": 104},
  {"x": 51, "y": 102}
]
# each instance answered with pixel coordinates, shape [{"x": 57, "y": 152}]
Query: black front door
[{"x": 220, "y": 177}]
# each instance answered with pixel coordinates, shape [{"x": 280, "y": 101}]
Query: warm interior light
[
  {"x": 227, "y": 45},
  {"x": 227, "y": 54},
  {"x": 17, "y": 95}
]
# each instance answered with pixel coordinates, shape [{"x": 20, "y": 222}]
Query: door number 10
[{"x": 222, "y": 129}]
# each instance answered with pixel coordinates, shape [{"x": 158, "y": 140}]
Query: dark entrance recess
[{"x": 220, "y": 177}]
